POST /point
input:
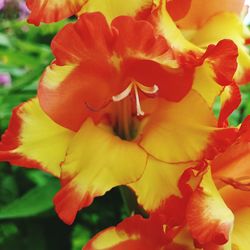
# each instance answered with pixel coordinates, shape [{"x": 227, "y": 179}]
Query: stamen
[
  {"x": 148, "y": 90},
  {"x": 138, "y": 104},
  {"x": 123, "y": 94},
  {"x": 145, "y": 89}
]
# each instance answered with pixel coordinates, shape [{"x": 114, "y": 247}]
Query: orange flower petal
[
  {"x": 231, "y": 170},
  {"x": 215, "y": 72},
  {"x": 201, "y": 11},
  {"x": 232, "y": 163},
  {"x": 208, "y": 218},
  {"x": 96, "y": 161},
  {"x": 223, "y": 58},
  {"x": 135, "y": 233},
  {"x": 230, "y": 100},
  {"x": 168, "y": 29},
  {"x": 235, "y": 199},
  {"x": 94, "y": 63},
  {"x": 149, "y": 60},
  {"x": 227, "y": 26},
  {"x": 33, "y": 140},
  {"x": 178, "y": 8},
  {"x": 240, "y": 237},
  {"x": 52, "y": 10},
  {"x": 82, "y": 75}
]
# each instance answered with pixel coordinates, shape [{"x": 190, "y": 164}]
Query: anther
[{"x": 135, "y": 86}]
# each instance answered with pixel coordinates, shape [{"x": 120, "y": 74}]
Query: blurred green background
[{"x": 27, "y": 217}]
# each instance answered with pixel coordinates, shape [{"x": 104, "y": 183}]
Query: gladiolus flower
[
  {"x": 219, "y": 205},
  {"x": 209, "y": 22},
  {"x": 213, "y": 212},
  {"x": 193, "y": 25},
  {"x": 137, "y": 233},
  {"x": 113, "y": 103},
  {"x": 55, "y": 10}
]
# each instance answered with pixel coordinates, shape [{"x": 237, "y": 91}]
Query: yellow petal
[
  {"x": 113, "y": 239},
  {"x": 96, "y": 162},
  {"x": 40, "y": 142},
  {"x": 205, "y": 84},
  {"x": 209, "y": 220},
  {"x": 159, "y": 182},
  {"x": 226, "y": 26},
  {"x": 240, "y": 238},
  {"x": 201, "y": 11},
  {"x": 179, "y": 132},
  {"x": 114, "y": 8},
  {"x": 167, "y": 28}
]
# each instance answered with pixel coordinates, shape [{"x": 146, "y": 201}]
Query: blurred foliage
[{"x": 27, "y": 217}]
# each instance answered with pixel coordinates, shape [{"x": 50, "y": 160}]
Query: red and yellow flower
[
  {"x": 213, "y": 211},
  {"x": 209, "y": 22},
  {"x": 112, "y": 107},
  {"x": 56, "y": 10},
  {"x": 181, "y": 21}
]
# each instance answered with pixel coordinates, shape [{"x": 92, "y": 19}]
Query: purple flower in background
[
  {"x": 5, "y": 79},
  {"x": 14, "y": 8},
  {"x": 1, "y": 4},
  {"x": 23, "y": 10}
]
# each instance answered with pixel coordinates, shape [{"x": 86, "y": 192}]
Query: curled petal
[
  {"x": 223, "y": 58},
  {"x": 208, "y": 218},
  {"x": 217, "y": 69},
  {"x": 232, "y": 162},
  {"x": 227, "y": 26},
  {"x": 96, "y": 161},
  {"x": 33, "y": 140},
  {"x": 230, "y": 100}
]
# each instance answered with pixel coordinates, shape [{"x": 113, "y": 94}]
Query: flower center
[
  {"x": 126, "y": 123},
  {"x": 135, "y": 86}
]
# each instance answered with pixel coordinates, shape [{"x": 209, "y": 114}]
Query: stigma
[{"x": 135, "y": 87}]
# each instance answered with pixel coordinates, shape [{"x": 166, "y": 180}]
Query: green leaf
[
  {"x": 7, "y": 230},
  {"x": 80, "y": 237},
  {"x": 33, "y": 203},
  {"x": 4, "y": 41}
]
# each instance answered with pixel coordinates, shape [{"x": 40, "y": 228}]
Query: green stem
[{"x": 130, "y": 202}]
